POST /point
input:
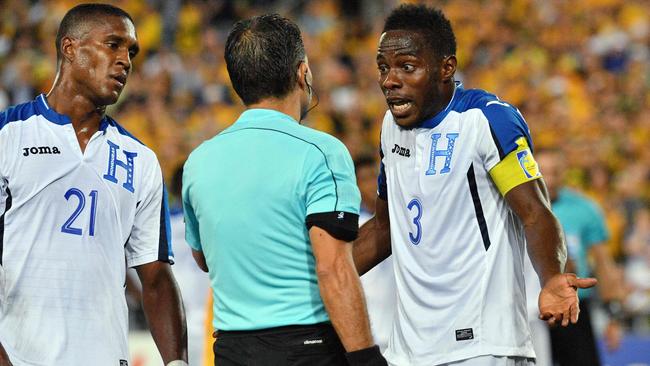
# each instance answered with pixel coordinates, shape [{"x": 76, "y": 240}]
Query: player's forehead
[
  {"x": 402, "y": 42},
  {"x": 113, "y": 26}
]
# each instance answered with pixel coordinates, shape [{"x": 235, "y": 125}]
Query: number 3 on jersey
[
  {"x": 415, "y": 205},
  {"x": 67, "y": 226}
]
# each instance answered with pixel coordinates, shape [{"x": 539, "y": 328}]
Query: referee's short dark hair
[
  {"x": 262, "y": 54},
  {"x": 75, "y": 22},
  {"x": 430, "y": 22}
]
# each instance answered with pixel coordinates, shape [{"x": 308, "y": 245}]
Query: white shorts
[{"x": 490, "y": 360}]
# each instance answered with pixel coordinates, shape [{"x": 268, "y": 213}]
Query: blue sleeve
[
  {"x": 331, "y": 182},
  {"x": 192, "y": 234},
  {"x": 506, "y": 125}
]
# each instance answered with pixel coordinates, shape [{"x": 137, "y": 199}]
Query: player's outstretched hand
[
  {"x": 558, "y": 300},
  {"x": 4, "y": 359}
]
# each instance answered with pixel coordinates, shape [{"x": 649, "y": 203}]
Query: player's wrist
[{"x": 370, "y": 356}]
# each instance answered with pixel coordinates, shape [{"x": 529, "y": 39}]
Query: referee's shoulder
[{"x": 325, "y": 142}]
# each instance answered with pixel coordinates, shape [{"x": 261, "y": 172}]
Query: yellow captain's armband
[{"x": 516, "y": 168}]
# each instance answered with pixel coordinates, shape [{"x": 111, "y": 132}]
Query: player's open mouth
[{"x": 399, "y": 106}]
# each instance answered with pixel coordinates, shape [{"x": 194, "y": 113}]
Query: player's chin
[{"x": 406, "y": 120}]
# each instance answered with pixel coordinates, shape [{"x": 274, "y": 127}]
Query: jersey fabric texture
[
  {"x": 247, "y": 196},
  {"x": 458, "y": 247},
  {"x": 584, "y": 226},
  {"x": 71, "y": 222}
]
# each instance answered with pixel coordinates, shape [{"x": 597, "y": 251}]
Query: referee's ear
[{"x": 303, "y": 75}]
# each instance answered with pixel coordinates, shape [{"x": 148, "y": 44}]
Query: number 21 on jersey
[{"x": 81, "y": 204}]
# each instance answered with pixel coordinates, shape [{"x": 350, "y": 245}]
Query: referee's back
[{"x": 247, "y": 194}]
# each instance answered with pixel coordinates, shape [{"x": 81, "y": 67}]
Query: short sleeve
[
  {"x": 192, "y": 235},
  {"x": 332, "y": 196},
  {"x": 150, "y": 238},
  {"x": 508, "y": 151}
]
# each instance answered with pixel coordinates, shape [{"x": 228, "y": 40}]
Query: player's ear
[
  {"x": 68, "y": 46},
  {"x": 448, "y": 68}
]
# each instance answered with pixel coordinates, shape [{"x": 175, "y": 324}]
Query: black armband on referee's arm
[
  {"x": 341, "y": 225},
  {"x": 366, "y": 357}
]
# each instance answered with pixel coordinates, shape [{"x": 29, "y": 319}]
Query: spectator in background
[{"x": 586, "y": 236}]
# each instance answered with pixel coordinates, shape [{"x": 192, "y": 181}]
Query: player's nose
[{"x": 391, "y": 81}]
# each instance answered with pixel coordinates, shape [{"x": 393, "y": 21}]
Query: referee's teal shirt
[{"x": 246, "y": 195}]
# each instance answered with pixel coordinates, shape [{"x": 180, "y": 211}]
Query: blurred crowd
[{"x": 579, "y": 71}]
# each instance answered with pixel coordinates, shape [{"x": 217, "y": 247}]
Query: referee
[{"x": 270, "y": 207}]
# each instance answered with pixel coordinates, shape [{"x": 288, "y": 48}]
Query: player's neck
[
  {"x": 290, "y": 105},
  {"x": 66, "y": 100}
]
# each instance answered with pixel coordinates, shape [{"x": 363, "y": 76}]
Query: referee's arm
[{"x": 341, "y": 290}]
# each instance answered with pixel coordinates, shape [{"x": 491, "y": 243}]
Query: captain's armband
[{"x": 518, "y": 167}]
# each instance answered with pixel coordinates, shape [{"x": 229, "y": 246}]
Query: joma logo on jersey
[
  {"x": 401, "y": 151},
  {"x": 38, "y": 150},
  {"x": 114, "y": 163}
]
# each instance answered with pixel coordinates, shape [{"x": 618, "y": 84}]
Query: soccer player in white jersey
[
  {"x": 459, "y": 196},
  {"x": 80, "y": 200}
]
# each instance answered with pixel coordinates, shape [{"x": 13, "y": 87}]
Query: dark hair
[
  {"x": 262, "y": 54},
  {"x": 429, "y": 22},
  {"x": 75, "y": 19}
]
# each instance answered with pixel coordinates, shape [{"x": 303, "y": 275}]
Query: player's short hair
[
  {"x": 262, "y": 54},
  {"x": 75, "y": 21},
  {"x": 429, "y": 22}
]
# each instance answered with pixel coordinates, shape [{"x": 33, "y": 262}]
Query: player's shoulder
[
  {"x": 18, "y": 113},
  {"x": 494, "y": 109}
]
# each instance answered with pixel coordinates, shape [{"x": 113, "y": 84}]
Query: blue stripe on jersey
[
  {"x": 165, "y": 253},
  {"x": 506, "y": 123},
  {"x": 382, "y": 188}
]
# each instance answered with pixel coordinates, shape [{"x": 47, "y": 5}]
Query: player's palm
[{"x": 558, "y": 300}]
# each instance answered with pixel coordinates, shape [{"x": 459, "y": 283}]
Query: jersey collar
[
  {"x": 435, "y": 120},
  {"x": 260, "y": 114},
  {"x": 61, "y": 119}
]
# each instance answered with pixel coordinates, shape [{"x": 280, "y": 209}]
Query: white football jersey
[
  {"x": 70, "y": 224},
  {"x": 458, "y": 247}
]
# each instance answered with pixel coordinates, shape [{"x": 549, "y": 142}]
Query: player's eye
[
  {"x": 112, "y": 45},
  {"x": 382, "y": 68},
  {"x": 408, "y": 67}
]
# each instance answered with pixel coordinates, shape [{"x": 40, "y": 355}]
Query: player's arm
[
  {"x": 558, "y": 300},
  {"x": 199, "y": 258},
  {"x": 4, "y": 358},
  {"x": 373, "y": 244},
  {"x": 612, "y": 291},
  {"x": 340, "y": 289},
  {"x": 161, "y": 300}
]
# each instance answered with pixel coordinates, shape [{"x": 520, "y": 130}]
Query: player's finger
[
  {"x": 575, "y": 312},
  {"x": 566, "y": 317},
  {"x": 551, "y": 322},
  {"x": 582, "y": 282}
]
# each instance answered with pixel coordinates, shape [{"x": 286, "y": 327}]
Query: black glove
[{"x": 366, "y": 357}]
